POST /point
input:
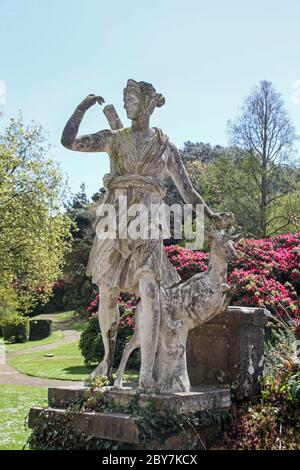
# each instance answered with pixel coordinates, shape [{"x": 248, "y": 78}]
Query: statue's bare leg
[
  {"x": 109, "y": 317},
  {"x": 149, "y": 328}
]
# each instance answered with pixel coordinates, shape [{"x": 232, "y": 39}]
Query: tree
[
  {"x": 265, "y": 133},
  {"x": 78, "y": 288},
  {"x": 226, "y": 186},
  {"x": 205, "y": 153},
  {"x": 193, "y": 152},
  {"x": 34, "y": 233}
]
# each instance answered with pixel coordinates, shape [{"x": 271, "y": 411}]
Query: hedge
[
  {"x": 39, "y": 329},
  {"x": 16, "y": 329}
]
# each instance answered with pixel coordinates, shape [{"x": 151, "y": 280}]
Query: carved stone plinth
[{"x": 229, "y": 350}]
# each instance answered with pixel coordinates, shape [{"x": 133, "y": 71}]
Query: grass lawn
[
  {"x": 79, "y": 325},
  {"x": 55, "y": 336},
  {"x": 56, "y": 317},
  {"x": 15, "y": 402},
  {"x": 68, "y": 319},
  {"x": 67, "y": 364}
]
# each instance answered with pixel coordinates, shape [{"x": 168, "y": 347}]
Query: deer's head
[{"x": 222, "y": 240}]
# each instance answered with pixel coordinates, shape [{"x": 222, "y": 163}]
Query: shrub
[
  {"x": 258, "y": 290},
  {"x": 39, "y": 329},
  {"x": 266, "y": 272},
  {"x": 274, "y": 422},
  {"x": 16, "y": 329},
  {"x": 186, "y": 261},
  {"x": 91, "y": 344}
]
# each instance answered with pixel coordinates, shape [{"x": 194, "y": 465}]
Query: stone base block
[{"x": 199, "y": 399}]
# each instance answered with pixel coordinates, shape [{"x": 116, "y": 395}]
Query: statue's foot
[
  {"x": 118, "y": 383},
  {"x": 101, "y": 369}
]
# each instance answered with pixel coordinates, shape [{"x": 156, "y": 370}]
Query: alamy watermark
[{"x": 125, "y": 221}]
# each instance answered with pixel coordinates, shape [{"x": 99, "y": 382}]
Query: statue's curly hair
[{"x": 147, "y": 91}]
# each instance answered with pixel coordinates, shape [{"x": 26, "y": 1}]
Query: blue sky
[{"x": 203, "y": 56}]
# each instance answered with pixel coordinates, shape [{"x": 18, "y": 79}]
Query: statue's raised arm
[{"x": 99, "y": 142}]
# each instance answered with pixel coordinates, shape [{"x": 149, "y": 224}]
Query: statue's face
[{"x": 131, "y": 104}]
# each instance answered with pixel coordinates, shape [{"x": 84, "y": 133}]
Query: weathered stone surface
[
  {"x": 229, "y": 350},
  {"x": 111, "y": 426},
  {"x": 201, "y": 398},
  {"x": 62, "y": 397},
  {"x": 181, "y": 441}
]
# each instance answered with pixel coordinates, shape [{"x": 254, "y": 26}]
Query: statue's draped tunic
[{"x": 138, "y": 173}]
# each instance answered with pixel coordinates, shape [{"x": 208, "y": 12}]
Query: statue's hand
[{"x": 90, "y": 100}]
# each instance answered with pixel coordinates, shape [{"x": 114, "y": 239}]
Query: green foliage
[
  {"x": 231, "y": 182},
  {"x": 8, "y": 304},
  {"x": 35, "y": 235},
  {"x": 78, "y": 289},
  {"x": 16, "y": 329},
  {"x": 279, "y": 347},
  {"x": 39, "y": 329},
  {"x": 91, "y": 344},
  {"x": 99, "y": 381}
]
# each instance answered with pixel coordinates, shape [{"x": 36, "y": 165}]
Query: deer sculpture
[{"x": 183, "y": 307}]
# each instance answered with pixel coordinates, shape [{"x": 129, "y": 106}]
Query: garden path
[
  {"x": 69, "y": 337},
  {"x": 10, "y": 376}
]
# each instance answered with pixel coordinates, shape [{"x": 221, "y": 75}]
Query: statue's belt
[{"x": 148, "y": 183}]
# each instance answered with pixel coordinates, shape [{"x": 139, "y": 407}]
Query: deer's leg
[
  {"x": 129, "y": 348},
  {"x": 109, "y": 317},
  {"x": 133, "y": 344}
]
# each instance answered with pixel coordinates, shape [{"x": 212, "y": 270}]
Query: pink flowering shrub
[
  {"x": 186, "y": 261},
  {"x": 266, "y": 273},
  {"x": 257, "y": 290}
]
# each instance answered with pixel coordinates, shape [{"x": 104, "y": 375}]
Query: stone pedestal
[
  {"x": 229, "y": 350},
  {"x": 124, "y": 427}
]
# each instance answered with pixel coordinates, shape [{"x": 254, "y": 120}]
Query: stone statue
[{"x": 140, "y": 157}]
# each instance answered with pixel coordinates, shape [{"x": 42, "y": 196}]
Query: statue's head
[{"x": 140, "y": 99}]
